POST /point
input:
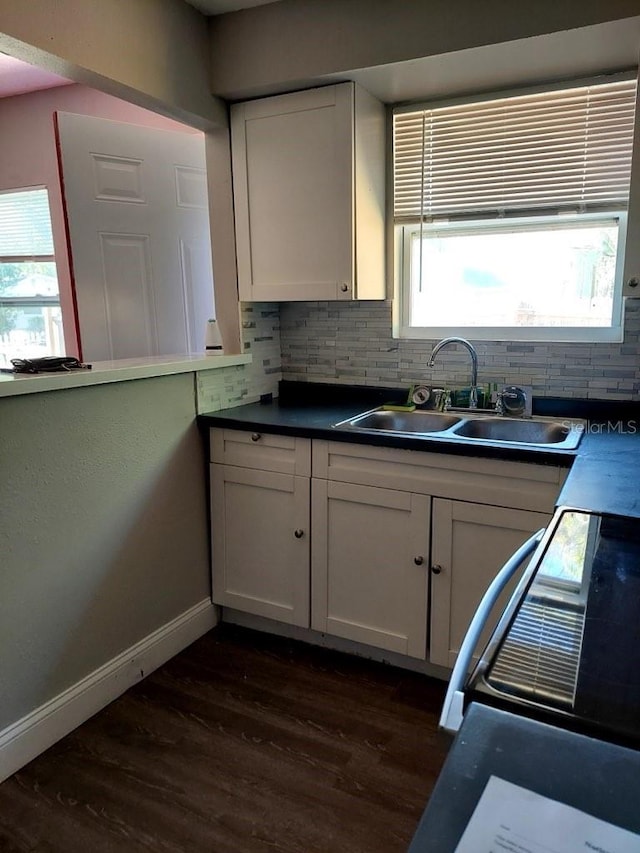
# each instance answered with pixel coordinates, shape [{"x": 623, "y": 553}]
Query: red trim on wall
[{"x": 74, "y": 300}]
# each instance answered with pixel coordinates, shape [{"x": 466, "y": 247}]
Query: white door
[{"x": 136, "y": 201}]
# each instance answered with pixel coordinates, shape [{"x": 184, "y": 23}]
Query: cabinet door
[
  {"x": 293, "y": 193},
  {"x": 470, "y": 544},
  {"x": 370, "y": 565},
  {"x": 260, "y": 542}
]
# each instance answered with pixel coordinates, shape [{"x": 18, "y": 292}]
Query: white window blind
[
  {"x": 25, "y": 224},
  {"x": 551, "y": 151}
]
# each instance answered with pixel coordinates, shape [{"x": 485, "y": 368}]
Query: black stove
[{"x": 567, "y": 650}]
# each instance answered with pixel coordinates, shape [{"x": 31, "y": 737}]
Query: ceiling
[
  {"x": 17, "y": 77},
  {"x": 219, "y": 7},
  {"x": 590, "y": 50}
]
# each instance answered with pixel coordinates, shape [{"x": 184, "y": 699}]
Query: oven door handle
[{"x": 453, "y": 708}]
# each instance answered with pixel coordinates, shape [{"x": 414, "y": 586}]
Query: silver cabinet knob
[
  {"x": 298, "y": 533},
  {"x": 344, "y": 287},
  {"x": 435, "y": 570},
  {"x": 418, "y": 560},
  {"x": 255, "y": 436},
  {"x": 633, "y": 282}
]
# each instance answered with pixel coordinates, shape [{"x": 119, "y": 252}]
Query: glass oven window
[
  {"x": 540, "y": 655},
  {"x": 573, "y": 642}
]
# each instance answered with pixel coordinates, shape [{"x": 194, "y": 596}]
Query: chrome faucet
[{"x": 473, "y": 393}]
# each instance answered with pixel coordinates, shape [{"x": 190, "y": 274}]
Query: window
[
  {"x": 30, "y": 315},
  {"x": 510, "y": 214}
]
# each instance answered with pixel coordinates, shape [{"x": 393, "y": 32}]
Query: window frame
[
  {"x": 557, "y": 334},
  {"x": 38, "y": 300},
  {"x": 400, "y": 233}
]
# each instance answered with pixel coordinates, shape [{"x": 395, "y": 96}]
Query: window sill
[
  {"x": 516, "y": 334},
  {"x": 116, "y": 371}
]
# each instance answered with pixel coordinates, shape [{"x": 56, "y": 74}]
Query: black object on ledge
[{"x": 48, "y": 364}]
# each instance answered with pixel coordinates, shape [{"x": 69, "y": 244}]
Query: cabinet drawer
[
  {"x": 281, "y": 453},
  {"x": 499, "y": 482}
]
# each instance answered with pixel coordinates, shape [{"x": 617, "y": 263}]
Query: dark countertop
[
  {"x": 318, "y": 421},
  {"x": 605, "y": 475},
  {"x": 605, "y": 468},
  {"x": 590, "y": 775}
]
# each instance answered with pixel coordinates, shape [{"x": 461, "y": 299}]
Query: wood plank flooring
[{"x": 242, "y": 743}]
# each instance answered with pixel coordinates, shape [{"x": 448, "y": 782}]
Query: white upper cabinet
[{"x": 309, "y": 192}]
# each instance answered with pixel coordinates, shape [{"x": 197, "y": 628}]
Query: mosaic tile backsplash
[
  {"x": 351, "y": 343},
  {"x": 232, "y": 386}
]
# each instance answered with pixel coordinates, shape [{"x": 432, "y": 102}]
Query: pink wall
[{"x": 28, "y": 158}]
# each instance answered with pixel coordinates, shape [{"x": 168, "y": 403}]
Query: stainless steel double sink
[{"x": 470, "y": 427}]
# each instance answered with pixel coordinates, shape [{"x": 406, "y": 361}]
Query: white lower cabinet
[
  {"x": 470, "y": 543},
  {"x": 260, "y": 542},
  {"x": 386, "y": 547},
  {"x": 369, "y": 566}
]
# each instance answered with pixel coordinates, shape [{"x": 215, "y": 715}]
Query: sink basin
[
  {"x": 412, "y": 422},
  {"x": 519, "y": 431},
  {"x": 474, "y": 428}
]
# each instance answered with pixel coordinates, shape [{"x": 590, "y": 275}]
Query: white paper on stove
[{"x": 511, "y": 819}]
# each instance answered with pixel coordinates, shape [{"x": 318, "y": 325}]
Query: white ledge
[{"x": 115, "y": 371}]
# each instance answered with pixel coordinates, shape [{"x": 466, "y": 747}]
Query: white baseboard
[{"x": 23, "y": 740}]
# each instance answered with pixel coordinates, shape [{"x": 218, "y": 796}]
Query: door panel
[
  {"x": 367, "y": 585},
  {"x": 470, "y": 544},
  {"x": 260, "y": 535},
  {"x": 136, "y": 201},
  {"x": 129, "y": 307},
  {"x": 293, "y": 192}
]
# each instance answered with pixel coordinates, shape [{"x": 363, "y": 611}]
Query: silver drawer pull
[
  {"x": 255, "y": 436},
  {"x": 298, "y": 533},
  {"x": 436, "y": 569},
  {"x": 418, "y": 560}
]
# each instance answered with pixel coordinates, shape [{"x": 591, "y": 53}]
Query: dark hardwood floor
[{"x": 243, "y": 742}]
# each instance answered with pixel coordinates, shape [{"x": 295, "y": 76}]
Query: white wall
[
  {"x": 282, "y": 45},
  {"x": 29, "y": 158},
  {"x": 153, "y": 52},
  {"x": 104, "y": 529},
  {"x": 164, "y": 55},
  {"x": 286, "y": 45}
]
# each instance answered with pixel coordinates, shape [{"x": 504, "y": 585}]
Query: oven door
[{"x": 567, "y": 648}]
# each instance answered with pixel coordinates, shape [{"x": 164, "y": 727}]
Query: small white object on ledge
[{"x": 213, "y": 339}]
